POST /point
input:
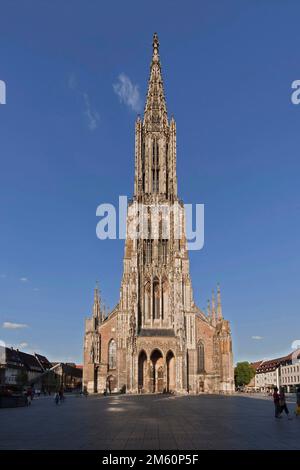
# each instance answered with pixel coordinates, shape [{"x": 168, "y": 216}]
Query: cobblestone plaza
[{"x": 149, "y": 422}]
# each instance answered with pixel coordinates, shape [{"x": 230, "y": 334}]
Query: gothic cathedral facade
[{"x": 156, "y": 339}]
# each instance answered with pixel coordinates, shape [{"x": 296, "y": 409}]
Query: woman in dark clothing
[{"x": 276, "y": 403}]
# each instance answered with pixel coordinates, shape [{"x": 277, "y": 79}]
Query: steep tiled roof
[
  {"x": 273, "y": 364},
  {"x": 16, "y": 359},
  {"x": 12, "y": 358},
  {"x": 256, "y": 364},
  {"x": 31, "y": 363},
  {"x": 43, "y": 361}
]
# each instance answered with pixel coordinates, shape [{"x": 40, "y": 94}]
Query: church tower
[{"x": 156, "y": 338}]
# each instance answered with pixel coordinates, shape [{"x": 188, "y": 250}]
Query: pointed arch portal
[
  {"x": 142, "y": 371},
  {"x": 171, "y": 376},
  {"x": 157, "y": 372}
]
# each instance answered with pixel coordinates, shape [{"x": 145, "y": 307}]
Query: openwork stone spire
[
  {"x": 155, "y": 113},
  {"x": 97, "y": 305},
  {"x": 155, "y": 142},
  {"x": 213, "y": 309},
  {"x": 219, "y": 304}
]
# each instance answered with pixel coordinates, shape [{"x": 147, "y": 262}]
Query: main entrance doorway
[{"x": 157, "y": 372}]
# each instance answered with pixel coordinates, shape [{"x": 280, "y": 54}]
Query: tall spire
[
  {"x": 219, "y": 304},
  {"x": 213, "y": 308},
  {"x": 155, "y": 113},
  {"x": 208, "y": 310},
  {"x": 97, "y": 305}
]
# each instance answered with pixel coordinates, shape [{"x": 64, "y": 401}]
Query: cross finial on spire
[{"x": 155, "y": 45}]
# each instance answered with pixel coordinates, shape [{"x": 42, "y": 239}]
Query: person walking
[
  {"x": 276, "y": 403},
  {"x": 28, "y": 396},
  {"x": 61, "y": 395},
  {"x": 282, "y": 403},
  {"x": 56, "y": 398}
]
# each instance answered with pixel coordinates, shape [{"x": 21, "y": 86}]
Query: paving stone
[{"x": 149, "y": 422}]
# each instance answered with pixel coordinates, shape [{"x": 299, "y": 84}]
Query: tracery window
[
  {"x": 200, "y": 357},
  {"x": 112, "y": 354},
  {"x": 165, "y": 298},
  {"x": 147, "y": 300},
  {"x": 156, "y": 299},
  {"x": 148, "y": 251}
]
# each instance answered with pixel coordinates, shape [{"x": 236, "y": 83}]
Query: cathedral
[{"x": 156, "y": 339}]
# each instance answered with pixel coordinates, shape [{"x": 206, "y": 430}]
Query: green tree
[{"x": 243, "y": 373}]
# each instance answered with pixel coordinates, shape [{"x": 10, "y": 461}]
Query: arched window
[
  {"x": 200, "y": 357},
  {"x": 147, "y": 251},
  {"x": 112, "y": 354},
  {"x": 98, "y": 349},
  {"x": 156, "y": 299},
  {"x": 165, "y": 296},
  {"x": 147, "y": 300}
]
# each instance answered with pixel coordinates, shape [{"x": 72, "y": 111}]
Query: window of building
[
  {"x": 112, "y": 354},
  {"x": 147, "y": 251},
  {"x": 156, "y": 299},
  {"x": 200, "y": 354},
  {"x": 163, "y": 251}
]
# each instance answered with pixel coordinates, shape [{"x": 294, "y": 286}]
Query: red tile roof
[
  {"x": 256, "y": 364},
  {"x": 273, "y": 364}
]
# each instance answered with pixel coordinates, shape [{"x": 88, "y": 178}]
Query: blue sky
[{"x": 67, "y": 143}]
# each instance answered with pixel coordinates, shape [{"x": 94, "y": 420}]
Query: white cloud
[
  {"x": 23, "y": 279},
  {"x": 91, "y": 114},
  {"x": 128, "y": 93},
  {"x": 257, "y": 338},
  {"x": 23, "y": 345},
  {"x": 13, "y": 326}
]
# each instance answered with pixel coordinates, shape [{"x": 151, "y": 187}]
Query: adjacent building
[
  {"x": 156, "y": 338},
  {"x": 18, "y": 369},
  {"x": 69, "y": 375},
  {"x": 283, "y": 371}
]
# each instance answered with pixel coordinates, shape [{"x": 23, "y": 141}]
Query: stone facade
[{"x": 156, "y": 339}]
